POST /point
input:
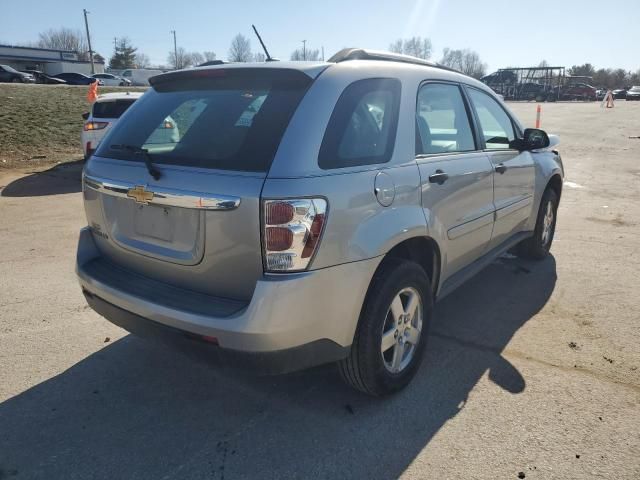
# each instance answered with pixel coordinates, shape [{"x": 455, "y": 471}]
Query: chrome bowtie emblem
[{"x": 140, "y": 195}]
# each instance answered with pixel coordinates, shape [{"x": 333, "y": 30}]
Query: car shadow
[
  {"x": 63, "y": 178},
  {"x": 138, "y": 410}
]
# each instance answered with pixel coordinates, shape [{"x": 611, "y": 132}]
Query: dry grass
[{"x": 40, "y": 124}]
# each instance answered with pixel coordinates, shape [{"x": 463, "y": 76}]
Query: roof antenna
[{"x": 266, "y": 52}]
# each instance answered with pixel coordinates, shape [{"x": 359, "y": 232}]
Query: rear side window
[
  {"x": 111, "y": 109},
  {"x": 442, "y": 122},
  {"x": 362, "y": 128},
  {"x": 495, "y": 124},
  {"x": 223, "y": 119}
]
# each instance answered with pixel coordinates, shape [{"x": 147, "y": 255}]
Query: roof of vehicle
[
  {"x": 111, "y": 97},
  {"x": 368, "y": 62}
]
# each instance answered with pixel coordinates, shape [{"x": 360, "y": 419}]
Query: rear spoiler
[{"x": 234, "y": 73}]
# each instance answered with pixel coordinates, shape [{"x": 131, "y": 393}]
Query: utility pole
[
  {"x": 323, "y": 53},
  {"x": 86, "y": 24},
  {"x": 304, "y": 49},
  {"x": 175, "y": 48},
  {"x": 115, "y": 43}
]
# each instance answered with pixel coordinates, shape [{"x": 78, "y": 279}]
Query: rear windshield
[
  {"x": 111, "y": 109},
  {"x": 222, "y": 119}
]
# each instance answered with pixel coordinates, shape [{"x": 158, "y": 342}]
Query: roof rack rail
[{"x": 347, "y": 54}]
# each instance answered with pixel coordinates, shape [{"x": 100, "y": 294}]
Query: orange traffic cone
[
  {"x": 92, "y": 94},
  {"x": 538, "y": 111}
]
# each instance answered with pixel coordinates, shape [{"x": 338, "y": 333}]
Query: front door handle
[
  {"x": 439, "y": 177},
  {"x": 501, "y": 168}
]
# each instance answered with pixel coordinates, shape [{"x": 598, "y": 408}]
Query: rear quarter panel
[{"x": 357, "y": 227}]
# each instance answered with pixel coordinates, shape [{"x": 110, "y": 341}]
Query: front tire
[
  {"x": 392, "y": 331},
  {"x": 537, "y": 247}
]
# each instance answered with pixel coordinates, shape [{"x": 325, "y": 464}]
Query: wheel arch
[
  {"x": 555, "y": 183},
  {"x": 424, "y": 251}
]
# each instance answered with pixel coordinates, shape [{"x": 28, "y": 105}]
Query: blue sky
[{"x": 503, "y": 32}]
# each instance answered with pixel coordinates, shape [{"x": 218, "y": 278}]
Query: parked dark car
[
  {"x": 534, "y": 91},
  {"x": 620, "y": 93},
  {"x": 633, "y": 93},
  {"x": 42, "y": 77},
  {"x": 10, "y": 74},
  {"x": 73, "y": 78}
]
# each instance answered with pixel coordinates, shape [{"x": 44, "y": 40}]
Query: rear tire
[
  {"x": 392, "y": 331},
  {"x": 537, "y": 247}
]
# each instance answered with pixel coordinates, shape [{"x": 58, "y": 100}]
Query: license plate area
[{"x": 155, "y": 222}]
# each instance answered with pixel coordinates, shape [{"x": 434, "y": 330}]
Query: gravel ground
[{"x": 533, "y": 369}]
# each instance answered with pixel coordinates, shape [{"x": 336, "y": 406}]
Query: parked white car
[
  {"x": 106, "y": 111},
  {"x": 140, "y": 76},
  {"x": 111, "y": 80}
]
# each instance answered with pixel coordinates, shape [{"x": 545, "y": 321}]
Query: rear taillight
[
  {"x": 95, "y": 126},
  {"x": 291, "y": 232}
]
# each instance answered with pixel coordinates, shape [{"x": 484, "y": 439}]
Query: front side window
[
  {"x": 224, "y": 119},
  {"x": 442, "y": 122},
  {"x": 495, "y": 124},
  {"x": 362, "y": 127}
]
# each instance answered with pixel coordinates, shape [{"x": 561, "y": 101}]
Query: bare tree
[
  {"x": 309, "y": 55},
  {"x": 64, "y": 39},
  {"x": 196, "y": 58},
  {"x": 142, "y": 60},
  {"x": 259, "y": 57},
  {"x": 466, "y": 61},
  {"x": 209, "y": 56},
  {"x": 414, "y": 46},
  {"x": 240, "y": 50},
  {"x": 183, "y": 59},
  {"x": 396, "y": 47}
]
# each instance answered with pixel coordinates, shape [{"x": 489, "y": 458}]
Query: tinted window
[
  {"x": 495, "y": 124},
  {"x": 226, "y": 119},
  {"x": 442, "y": 122},
  {"x": 362, "y": 127},
  {"x": 111, "y": 109}
]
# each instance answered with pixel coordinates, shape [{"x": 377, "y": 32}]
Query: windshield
[
  {"x": 9, "y": 69},
  {"x": 231, "y": 121}
]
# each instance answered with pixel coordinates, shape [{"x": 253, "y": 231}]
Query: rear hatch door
[{"x": 212, "y": 135}]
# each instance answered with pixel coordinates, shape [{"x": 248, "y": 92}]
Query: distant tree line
[
  {"x": 607, "y": 77},
  {"x": 467, "y": 61}
]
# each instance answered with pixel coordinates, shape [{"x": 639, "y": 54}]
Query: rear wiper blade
[{"x": 153, "y": 171}]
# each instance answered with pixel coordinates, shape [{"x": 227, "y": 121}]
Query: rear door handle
[
  {"x": 501, "y": 168},
  {"x": 439, "y": 177}
]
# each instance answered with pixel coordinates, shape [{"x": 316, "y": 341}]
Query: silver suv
[{"x": 310, "y": 212}]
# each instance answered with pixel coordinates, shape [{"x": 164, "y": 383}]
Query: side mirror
[
  {"x": 535, "y": 139},
  {"x": 85, "y": 115}
]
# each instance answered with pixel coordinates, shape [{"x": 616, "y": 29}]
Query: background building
[{"x": 46, "y": 60}]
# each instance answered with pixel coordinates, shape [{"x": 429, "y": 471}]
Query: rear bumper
[
  {"x": 269, "y": 363},
  {"x": 293, "y": 321}
]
